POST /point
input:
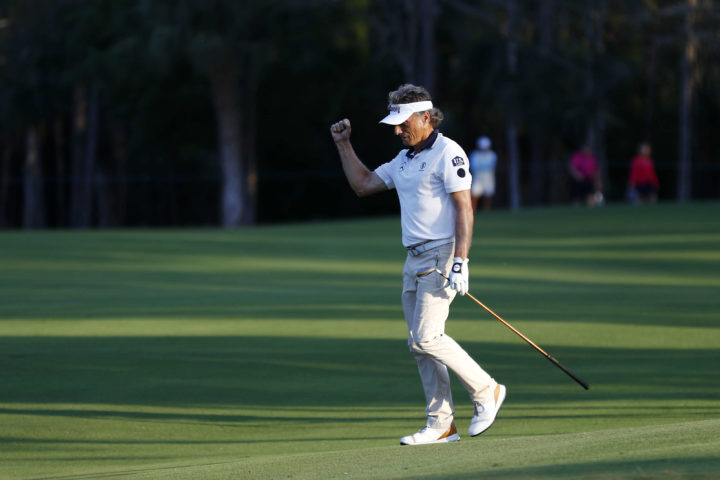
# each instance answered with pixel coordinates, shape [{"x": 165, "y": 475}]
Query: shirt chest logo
[{"x": 404, "y": 165}]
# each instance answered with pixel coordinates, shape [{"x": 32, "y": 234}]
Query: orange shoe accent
[
  {"x": 497, "y": 393},
  {"x": 451, "y": 431}
]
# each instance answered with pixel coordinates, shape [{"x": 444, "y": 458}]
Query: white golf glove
[{"x": 459, "y": 275}]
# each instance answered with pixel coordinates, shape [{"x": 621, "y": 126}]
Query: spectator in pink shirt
[{"x": 583, "y": 177}]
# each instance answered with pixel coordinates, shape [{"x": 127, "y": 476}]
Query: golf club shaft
[
  {"x": 582, "y": 382},
  {"x": 536, "y": 347}
]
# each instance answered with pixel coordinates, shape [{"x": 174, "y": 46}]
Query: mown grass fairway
[{"x": 280, "y": 352}]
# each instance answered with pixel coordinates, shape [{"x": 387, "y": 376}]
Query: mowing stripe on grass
[{"x": 175, "y": 354}]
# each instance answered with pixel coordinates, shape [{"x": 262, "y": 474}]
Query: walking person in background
[
  {"x": 643, "y": 183},
  {"x": 584, "y": 177},
  {"x": 482, "y": 166},
  {"x": 433, "y": 185}
]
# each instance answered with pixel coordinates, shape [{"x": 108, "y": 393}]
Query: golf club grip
[{"x": 562, "y": 367}]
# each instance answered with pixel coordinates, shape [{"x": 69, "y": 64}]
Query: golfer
[{"x": 432, "y": 180}]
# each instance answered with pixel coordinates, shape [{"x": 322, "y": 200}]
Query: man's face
[{"x": 413, "y": 130}]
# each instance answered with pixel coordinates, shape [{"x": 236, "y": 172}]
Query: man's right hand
[
  {"x": 363, "y": 181},
  {"x": 341, "y": 131}
]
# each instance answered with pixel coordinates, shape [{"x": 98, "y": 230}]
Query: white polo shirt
[{"x": 424, "y": 182}]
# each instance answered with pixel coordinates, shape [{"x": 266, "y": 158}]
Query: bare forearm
[
  {"x": 464, "y": 220},
  {"x": 355, "y": 171},
  {"x": 362, "y": 180}
]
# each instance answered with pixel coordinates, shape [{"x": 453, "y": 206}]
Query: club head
[{"x": 422, "y": 273}]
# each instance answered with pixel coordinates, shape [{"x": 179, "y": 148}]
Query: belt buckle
[{"x": 420, "y": 248}]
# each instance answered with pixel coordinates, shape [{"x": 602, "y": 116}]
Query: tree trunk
[
  {"x": 546, "y": 10},
  {"x": 86, "y": 121},
  {"x": 538, "y": 131},
  {"x": 537, "y": 173},
  {"x": 90, "y": 169},
  {"x": 249, "y": 134},
  {"x": 513, "y": 162},
  {"x": 6, "y": 160},
  {"x": 104, "y": 197},
  {"x": 595, "y": 24},
  {"x": 60, "y": 206},
  {"x": 225, "y": 92},
  {"x": 426, "y": 52},
  {"x": 34, "y": 202},
  {"x": 513, "y": 150},
  {"x": 684, "y": 181},
  {"x": 408, "y": 55},
  {"x": 103, "y": 171},
  {"x": 650, "y": 82},
  {"x": 78, "y": 178},
  {"x": 400, "y": 27},
  {"x": 557, "y": 191},
  {"x": 119, "y": 187},
  {"x": 600, "y": 152}
]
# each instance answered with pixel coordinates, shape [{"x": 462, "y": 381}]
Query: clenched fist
[{"x": 341, "y": 131}]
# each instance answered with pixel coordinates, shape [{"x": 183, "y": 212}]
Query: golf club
[{"x": 582, "y": 382}]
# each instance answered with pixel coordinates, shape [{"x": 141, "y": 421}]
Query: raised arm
[{"x": 363, "y": 181}]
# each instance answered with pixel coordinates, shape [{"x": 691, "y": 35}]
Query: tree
[
  {"x": 688, "y": 71},
  {"x": 34, "y": 204},
  {"x": 28, "y": 97},
  {"x": 406, "y": 35},
  {"x": 541, "y": 105},
  {"x": 53, "y": 45},
  {"x": 510, "y": 91},
  {"x": 149, "y": 112},
  {"x": 228, "y": 42},
  {"x": 594, "y": 14},
  {"x": 698, "y": 32},
  {"x": 511, "y": 52}
]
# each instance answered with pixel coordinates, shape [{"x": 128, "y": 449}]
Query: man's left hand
[{"x": 459, "y": 275}]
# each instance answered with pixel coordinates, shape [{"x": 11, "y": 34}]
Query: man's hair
[{"x": 409, "y": 93}]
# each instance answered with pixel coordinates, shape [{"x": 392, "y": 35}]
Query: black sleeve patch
[
  {"x": 457, "y": 161},
  {"x": 461, "y": 172}
]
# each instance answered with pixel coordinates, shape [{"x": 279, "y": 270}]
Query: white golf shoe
[
  {"x": 485, "y": 414},
  {"x": 427, "y": 435}
]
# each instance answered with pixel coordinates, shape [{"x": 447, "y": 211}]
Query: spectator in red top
[
  {"x": 643, "y": 182},
  {"x": 583, "y": 176}
]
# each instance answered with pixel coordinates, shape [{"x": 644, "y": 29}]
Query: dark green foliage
[{"x": 305, "y": 64}]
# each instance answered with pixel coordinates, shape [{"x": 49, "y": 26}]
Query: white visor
[{"x": 399, "y": 112}]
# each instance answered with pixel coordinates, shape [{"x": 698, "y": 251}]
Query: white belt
[{"x": 422, "y": 247}]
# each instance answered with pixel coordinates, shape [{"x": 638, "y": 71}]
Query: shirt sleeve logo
[{"x": 457, "y": 161}]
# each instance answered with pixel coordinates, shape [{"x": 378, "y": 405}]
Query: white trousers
[{"x": 426, "y": 304}]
